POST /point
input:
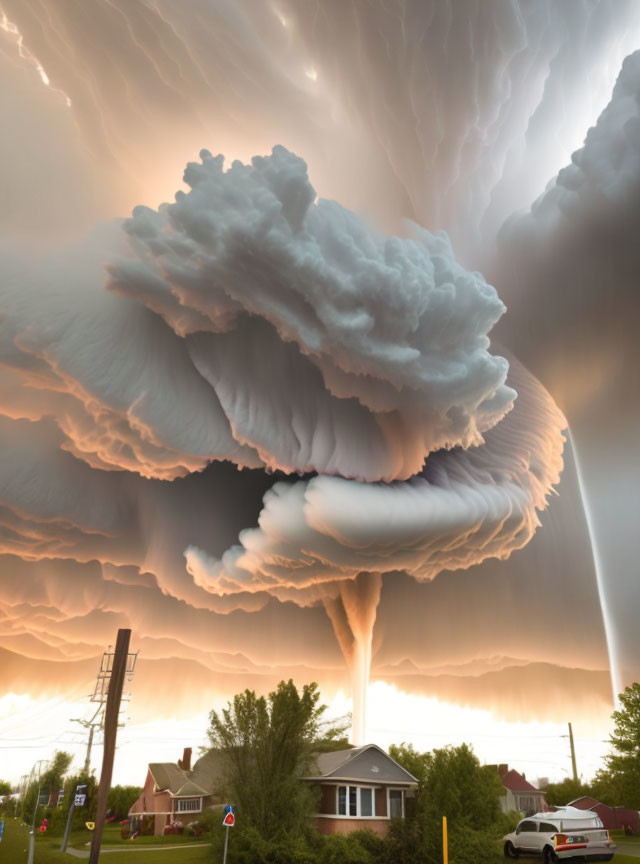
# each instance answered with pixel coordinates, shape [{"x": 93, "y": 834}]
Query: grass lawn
[
  {"x": 15, "y": 845},
  {"x": 111, "y": 837}
]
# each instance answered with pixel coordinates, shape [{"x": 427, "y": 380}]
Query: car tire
[
  {"x": 510, "y": 850},
  {"x": 549, "y": 856}
]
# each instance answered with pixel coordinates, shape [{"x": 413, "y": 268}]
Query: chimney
[
  {"x": 185, "y": 762},
  {"x": 502, "y": 770}
]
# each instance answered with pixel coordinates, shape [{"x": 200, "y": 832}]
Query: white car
[{"x": 569, "y": 833}]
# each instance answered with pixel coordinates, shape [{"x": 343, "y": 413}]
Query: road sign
[
  {"x": 229, "y": 819},
  {"x": 228, "y": 808},
  {"x": 80, "y": 799}
]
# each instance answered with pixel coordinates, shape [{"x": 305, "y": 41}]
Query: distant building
[
  {"x": 612, "y": 817},
  {"x": 361, "y": 787},
  {"x": 175, "y": 792},
  {"x": 520, "y": 795}
]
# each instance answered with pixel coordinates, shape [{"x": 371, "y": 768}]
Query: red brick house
[
  {"x": 362, "y": 787},
  {"x": 174, "y": 792},
  {"x": 520, "y": 795},
  {"x": 612, "y": 817}
]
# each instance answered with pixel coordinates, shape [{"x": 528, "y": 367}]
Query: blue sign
[
  {"x": 228, "y": 809},
  {"x": 1, "y": 829}
]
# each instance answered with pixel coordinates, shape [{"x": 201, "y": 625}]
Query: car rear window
[{"x": 548, "y": 828}]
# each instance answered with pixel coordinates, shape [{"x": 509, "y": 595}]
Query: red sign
[{"x": 229, "y": 820}]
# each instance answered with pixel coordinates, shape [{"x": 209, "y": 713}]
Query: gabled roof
[
  {"x": 515, "y": 782},
  {"x": 585, "y": 802},
  {"x": 368, "y": 763},
  {"x": 202, "y": 780}
]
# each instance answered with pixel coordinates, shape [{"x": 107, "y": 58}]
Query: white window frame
[
  {"x": 403, "y": 797},
  {"x": 179, "y": 801},
  {"x": 358, "y": 815}
]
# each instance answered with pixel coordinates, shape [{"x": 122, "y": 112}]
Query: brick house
[
  {"x": 361, "y": 787},
  {"x": 173, "y": 791},
  {"x": 520, "y": 795}
]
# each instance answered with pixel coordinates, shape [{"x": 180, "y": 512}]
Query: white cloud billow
[{"x": 380, "y": 342}]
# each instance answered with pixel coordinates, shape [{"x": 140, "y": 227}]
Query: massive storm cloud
[{"x": 268, "y": 430}]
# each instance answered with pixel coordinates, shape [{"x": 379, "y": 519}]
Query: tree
[
  {"x": 5, "y": 788},
  {"x": 121, "y": 798},
  {"x": 267, "y": 745},
  {"x": 560, "y": 794},
  {"x": 53, "y": 777},
  {"x": 621, "y": 780},
  {"x": 452, "y": 783},
  {"x": 85, "y": 813}
]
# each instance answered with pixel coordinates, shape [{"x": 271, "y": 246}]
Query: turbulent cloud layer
[
  {"x": 465, "y": 506},
  {"x": 253, "y": 324}
]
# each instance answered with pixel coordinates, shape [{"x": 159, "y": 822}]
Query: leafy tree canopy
[
  {"x": 268, "y": 744},
  {"x": 619, "y": 782},
  {"x": 567, "y": 790},
  {"x": 452, "y": 783},
  {"x": 121, "y": 798},
  {"x": 5, "y": 787}
]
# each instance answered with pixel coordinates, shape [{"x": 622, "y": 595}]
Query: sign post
[
  {"x": 78, "y": 800},
  {"x": 228, "y": 821},
  {"x": 445, "y": 841}
]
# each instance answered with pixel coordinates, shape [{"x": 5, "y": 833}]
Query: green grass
[
  {"x": 111, "y": 837},
  {"x": 15, "y": 845}
]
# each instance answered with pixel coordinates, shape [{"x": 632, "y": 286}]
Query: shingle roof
[
  {"x": 368, "y": 763},
  {"x": 202, "y": 780},
  {"x": 515, "y": 782}
]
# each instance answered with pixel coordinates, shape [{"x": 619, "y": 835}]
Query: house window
[
  {"x": 527, "y": 803},
  {"x": 396, "y": 803},
  {"x": 355, "y": 801},
  {"x": 366, "y": 802},
  {"x": 189, "y": 805}
]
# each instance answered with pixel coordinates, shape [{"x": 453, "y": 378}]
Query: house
[
  {"x": 173, "y": 791},
  {"x": 361, "y": 787},
  {"x": 612, "y": 817},
  {"x": 520, "y": 795}
]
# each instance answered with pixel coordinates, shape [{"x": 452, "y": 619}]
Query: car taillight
[{"x": 560, "y": 838}]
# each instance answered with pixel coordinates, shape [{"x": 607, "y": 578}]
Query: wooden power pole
[
  {"x": 111, "y": 715},
  {"x": 573, "y": 754}
]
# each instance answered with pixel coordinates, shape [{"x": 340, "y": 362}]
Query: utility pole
[
  {"x": 117, "y": 671},
  {"x": 32, "y": 833},
  {"x": 573, "y": 754},
  {"x": 91, "y": 725}
]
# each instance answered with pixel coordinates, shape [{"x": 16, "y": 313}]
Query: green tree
[
  {"x": 620, "y": 780},
  {"x": 5, "y": 788},
  {"x": 560, "y": 794},
  {"x": 121, "y": 798},
  {"x": 53, "y": 777},
  {"x": 86, "y": 813},
  {"x": 268, "y": 744},
  {"x": 452, "y": 783}
]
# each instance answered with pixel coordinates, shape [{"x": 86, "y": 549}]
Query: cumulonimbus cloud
[
  {"x": 250, "y": 323},
  {"x": 382, "y": 340}
]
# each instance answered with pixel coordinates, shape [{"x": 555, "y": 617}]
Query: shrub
[
  {"x": 358, "y": 847},
  {"x": 471, "y": 846}
]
